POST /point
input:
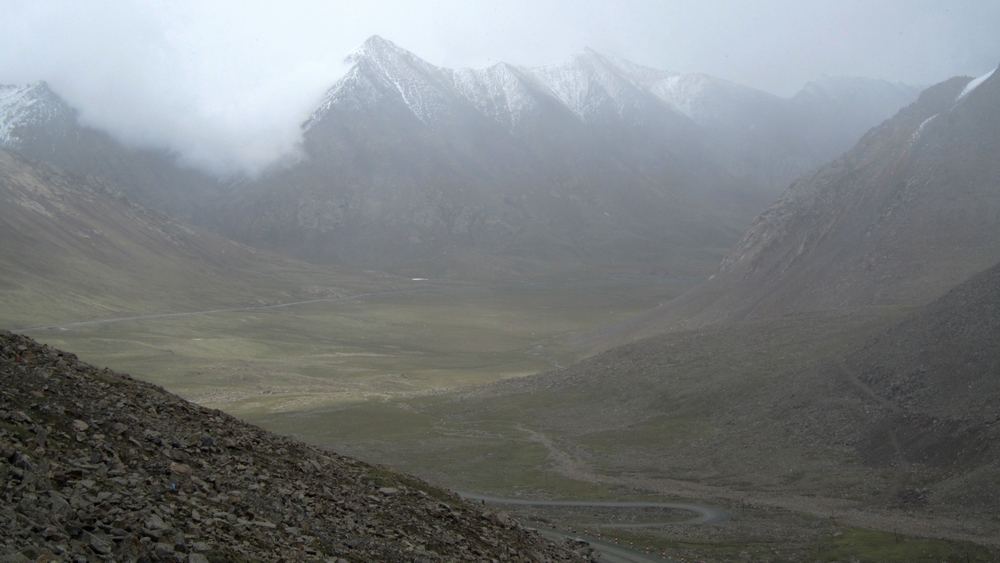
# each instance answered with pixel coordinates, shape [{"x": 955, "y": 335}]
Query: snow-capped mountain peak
[
  {"x": 374, "y": 46},
  {"x": 383, "y": 70},
  {"x": 593, "y": 86},
  {"x": 503, "y": 92},
  {"x": 387, "y": 57},
  {"x": 28, "y": 106}
]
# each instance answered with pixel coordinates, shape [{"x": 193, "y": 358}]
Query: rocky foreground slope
[{"x": 96, "y": 466}]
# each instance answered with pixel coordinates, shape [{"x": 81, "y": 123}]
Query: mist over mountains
[
  {"x": 567, "y": 165},
  {"x": 595, "y": 164},
  {"x": 38, "y": 124},
  {"x": 902, "y": 217},
  {"x": 841, "y": 358},
  {"x": 75, "y": 248}
]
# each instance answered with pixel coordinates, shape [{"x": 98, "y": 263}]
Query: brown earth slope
[
  {"x": 96, "y": 466},
  {"x": 73, "y": 248}
]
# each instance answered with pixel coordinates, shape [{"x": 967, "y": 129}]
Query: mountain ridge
[
  {"x": 414, "y": 168},
  {"x": 591, "y": 74},
  {"x": 896, "y": 221},
  {"x": 495, "y": 172}
]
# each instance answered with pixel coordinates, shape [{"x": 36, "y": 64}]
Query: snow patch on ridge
[
  {"x": 26, "y": 106},
  {"x": 920, "y": 128},
  {"x": 973, "y": 85},
  {"x": 501, "y": 92},
  {"x": 590, "y": 85}
]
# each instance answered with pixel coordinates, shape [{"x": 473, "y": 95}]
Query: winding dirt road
[
  {"x": 705, "y": 514},
  {"x": 611, "y": 552}
]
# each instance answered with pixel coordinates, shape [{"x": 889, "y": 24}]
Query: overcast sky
[{"x": 226, "y": 83}]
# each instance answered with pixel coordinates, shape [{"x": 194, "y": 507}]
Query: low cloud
[{"x": 227, "y": 84}]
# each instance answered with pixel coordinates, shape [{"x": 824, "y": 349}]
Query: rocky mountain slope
[
  {"x": 902, "y": 217},
  {"x": 915, "y": 402},
  {"x": 74, "y": 248},
  {"x": 97, "y": 466},
  {"x": 905, "y": 215},
  {"x": 938, "y": 370}
]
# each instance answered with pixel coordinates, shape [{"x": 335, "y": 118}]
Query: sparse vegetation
[{"x": 344, "y": 352}]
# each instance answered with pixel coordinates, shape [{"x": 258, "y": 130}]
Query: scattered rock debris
[{"x": 97, "y": 466}]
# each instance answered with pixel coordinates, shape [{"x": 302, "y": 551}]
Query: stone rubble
[{"x": 96, "y": 466}]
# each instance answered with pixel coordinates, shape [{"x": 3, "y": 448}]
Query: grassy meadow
[
  {"x": 338, "y": 353},
  {"x": 390, "y": 378}
]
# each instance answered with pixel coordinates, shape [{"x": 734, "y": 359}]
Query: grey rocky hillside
[
  {"x": 916, "y": 401},
  {"x": 591, "y": 168},
  {"x": 96, "y": 466},
  {"x": 938, "y": 374},
  {"x": 902, "y": 217}
]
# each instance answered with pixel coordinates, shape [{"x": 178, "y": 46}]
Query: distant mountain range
[
  {"x": 821, "y": 121},
  {"x": 593, "y": 168}
]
